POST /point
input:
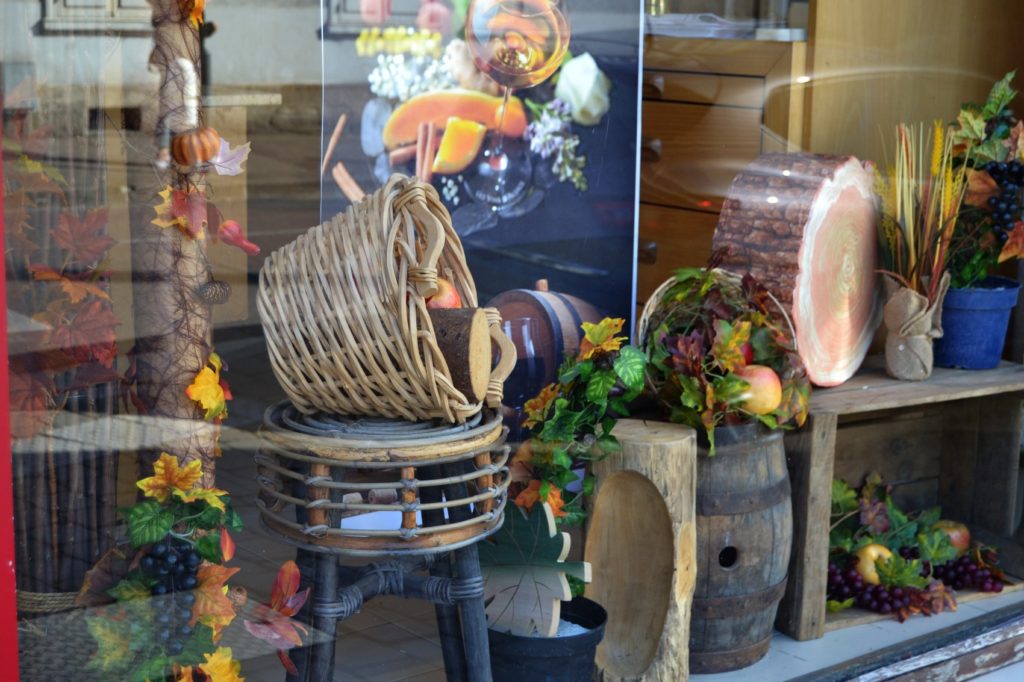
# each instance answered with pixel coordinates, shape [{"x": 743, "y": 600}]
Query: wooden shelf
[
  {"x": 871, "y": 389},
  {"x": 953, "y": 440}
]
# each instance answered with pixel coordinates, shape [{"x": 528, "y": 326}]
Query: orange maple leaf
[
  {"x": 168, "y": 478},
  {"x": 213, "y": 607},
  {"x": 537, "y": 408},
  {"x": 531, "y": 496},
  {"x": 1014, "y": 246},
  {"x": 74, "y": 289}
]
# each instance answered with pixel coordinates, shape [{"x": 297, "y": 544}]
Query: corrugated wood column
[
  {"x": 172, "y": 326},
  {"x": 811, "y": 456}
]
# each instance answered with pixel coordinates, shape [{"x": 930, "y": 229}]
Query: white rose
[{"x": 582, "y": 85}]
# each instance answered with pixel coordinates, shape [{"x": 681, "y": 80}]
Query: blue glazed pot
[{"x": 974, "y": 323}]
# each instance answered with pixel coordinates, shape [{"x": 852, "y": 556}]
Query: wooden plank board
[
  {"x": 871, "y": 389},
  {"x": 671, "y": 238},
  {"x": 855, "y": 616},
  {"x": 730, "y": 57},
  {"x": 811, "y": 454}
]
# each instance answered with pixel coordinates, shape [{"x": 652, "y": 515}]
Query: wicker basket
[{"x": 344, "y": 313}]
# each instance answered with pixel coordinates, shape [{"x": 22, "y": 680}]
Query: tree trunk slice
[
  {"x": 464, "y": 339},
  {"x": 641, "y": 541},
  {"x": 805, "y": 226}
]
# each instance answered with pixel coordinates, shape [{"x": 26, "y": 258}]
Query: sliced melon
[{"x": 438, "y": 107}]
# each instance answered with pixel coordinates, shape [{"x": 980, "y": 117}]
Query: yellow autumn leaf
[
  {"x": 208, "y": 391},
  {"x": 210, "y": 496},
  {"x": 221, "y": 667},
  {"x": 164, "y": 215},
  {"x": 601, "y": 336},
  {"x": 168, "y": 477},
  {"x": 113, "y": 640}
]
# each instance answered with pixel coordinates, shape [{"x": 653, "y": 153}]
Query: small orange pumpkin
[{"x": 194, "y": 147}]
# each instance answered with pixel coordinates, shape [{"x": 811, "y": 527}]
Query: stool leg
[
  {"x": 449, "y": 628},
  {"x": 325, "y": 591},
  {"x": 467, "y": 566},
  {"x": 474, "y": 619},
  {"x": 306, "y": 562}
]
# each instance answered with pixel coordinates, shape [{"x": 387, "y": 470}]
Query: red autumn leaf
[
  {"x": 980, "y": 186},
  {"x": 30, "y": 401},
  {"x": 273, "y": 623},
  {"x": 1014, "y": 246},
  {"x": 89, "y": 335},
  {"x": 33, "y": 143},
  {"x": 191, "y": 206},
  {"x": 84, "y": 238}
]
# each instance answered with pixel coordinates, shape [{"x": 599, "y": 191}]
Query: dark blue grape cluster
[
  {"x": 1006, "y": 207},
  {"x": 965, "y": 573},
  {"x": 173, "y": 564}
]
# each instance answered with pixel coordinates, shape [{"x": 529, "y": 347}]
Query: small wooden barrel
[
  {"x": 558, "y": 317},
  {"x": 744, "y": 538}
]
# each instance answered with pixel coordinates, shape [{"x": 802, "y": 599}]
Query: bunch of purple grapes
[
  {"x": 844, "y": 583},
  {"x": 965, "y": 573},
  {"x": 1005, "y": 207},
  {"x": 912, "y": 554},
  {"x": 174, "y": 565}
]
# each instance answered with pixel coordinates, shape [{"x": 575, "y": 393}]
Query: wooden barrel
[
  {"x": 558, "y": 319},
  {"x": 744, "y": 537}
]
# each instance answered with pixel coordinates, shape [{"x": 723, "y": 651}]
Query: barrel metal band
[
  {"x": 744, "y": 502},
  {"x": 728, "y": 659},
  {"x": 738, "y": 605}
]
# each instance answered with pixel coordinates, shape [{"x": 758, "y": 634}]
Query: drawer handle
[
  {"x": 650, "y": 149},
  {"x": 654, "y": 88},
  {"x": 647, "y": 253}
]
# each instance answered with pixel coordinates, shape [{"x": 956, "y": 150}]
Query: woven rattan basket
[{"x": 344, "y": 313}]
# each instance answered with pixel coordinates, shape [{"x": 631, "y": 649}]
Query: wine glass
[
  {"x": 528, "y": 375},
  {"x": 517, "y": 44}
]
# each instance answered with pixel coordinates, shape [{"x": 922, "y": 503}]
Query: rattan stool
[{"x": 416, "y": 495}]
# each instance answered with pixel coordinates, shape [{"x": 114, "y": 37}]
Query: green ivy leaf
[
  {"x": 692, "y": 395},
  {"x": 609, "y": 444},
  {"x": 729, "y": 389},
  {"x": 834, "y": 606},
  {"x": 201, "y": 642},
  {"x": 989, "y": 150},
  {"x": 206, "y": 517},
  {"x": 898, "y": 572},
  {"x": 936, "y": 547},
  {"x": 560, "y": 458},
  {"x": 148, "y": 522},
  {"x": 156, "y": 668},
  {"x": 599, "y": 385},
  {"x": 844, "y": 498},
  {"x": 588, "y": 485},
  {"x": 208, "y": 547},
  {"x": 232, "y": 520},
  {"x": 629, "y": 366},
  {"x": 999, "y": 97},
  {"x": 131, "y": 589},
  {"x": 971, "y": 126}
]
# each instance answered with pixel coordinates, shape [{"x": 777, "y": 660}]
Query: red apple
[
  {"x": 867, "y": 557},
  {"x": 959, "y": 534},
  {"x": 765, "y": 392},
  {"x": 748, "y": 353},
  {"x": 446, "y": 296}
]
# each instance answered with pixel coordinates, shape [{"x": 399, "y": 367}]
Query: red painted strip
[{"x": 8, "y": 603}]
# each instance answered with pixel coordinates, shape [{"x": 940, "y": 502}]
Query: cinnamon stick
[
  {"x": 346, "y": 183},
  {"x": 426, "y": 141},
  {"x": 339, "y": 127},
  {"x": 402, "y": 155}
]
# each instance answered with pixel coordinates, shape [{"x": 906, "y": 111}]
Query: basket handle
[
  {"x": 423, "y": 275},
  {"x": 496, "y": 384}
]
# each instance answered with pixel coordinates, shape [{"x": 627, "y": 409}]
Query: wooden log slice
[
  {"x": 805, "y": 226},
  {"x": 464, "y": 340}
]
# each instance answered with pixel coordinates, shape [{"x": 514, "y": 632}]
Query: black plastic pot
[{"x": 551, "y": 659}]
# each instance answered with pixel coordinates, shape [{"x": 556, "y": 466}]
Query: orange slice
[
  {"x": 459, "y": 146},
  {"x": 437, "y": 107}
]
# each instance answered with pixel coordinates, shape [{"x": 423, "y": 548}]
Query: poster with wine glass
[{"x": 523, "y": 114}]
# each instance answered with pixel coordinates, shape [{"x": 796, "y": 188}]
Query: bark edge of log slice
[{"x": 805, "y": 226}]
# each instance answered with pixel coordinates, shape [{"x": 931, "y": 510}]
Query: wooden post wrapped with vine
[{"x": 169, "y": 266}]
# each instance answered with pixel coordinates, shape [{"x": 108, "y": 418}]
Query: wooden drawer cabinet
[
  {"x": 710, "y": 108},
  {"x": 670, "y": 238},
  {"x": 690, "y": 153}
]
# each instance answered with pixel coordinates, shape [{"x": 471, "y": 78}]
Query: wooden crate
[{"x": 953, "y": 440}]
